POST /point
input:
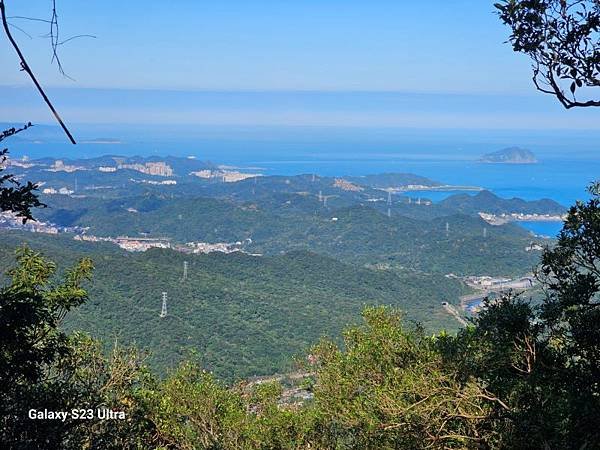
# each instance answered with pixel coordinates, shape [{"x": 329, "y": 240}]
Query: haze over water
[{"x": 568, "y": 161}]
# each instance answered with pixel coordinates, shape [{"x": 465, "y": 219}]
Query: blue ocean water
[
  {"x": 546, "y": 229},
  {"x": 569, "y": 161}
]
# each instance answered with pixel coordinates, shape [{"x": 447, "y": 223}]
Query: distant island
[{"x": 512, "y": 155}]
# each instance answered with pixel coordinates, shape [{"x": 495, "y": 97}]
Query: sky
[{"x": 435, "y": 64}]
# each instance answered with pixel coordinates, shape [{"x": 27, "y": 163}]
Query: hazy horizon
[
  {"x": 352, "y": 109},
  {"x": 345, "y": 64}
]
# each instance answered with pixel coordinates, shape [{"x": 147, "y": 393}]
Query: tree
[
  {"x": 570, "y": 315},
  {"x": 562, "y": 38},
  {"x": 30, "y": 338},
  {"x": 43, "y": 368},
  {"x": 389, "y": 388},
  {"x": 543, "y": 360},
  {"x": 14, "y": 196}
]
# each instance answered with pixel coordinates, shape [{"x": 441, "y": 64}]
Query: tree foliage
[
  {"x": 31, "y": 309},
  {"x": 16, "y": 197},
  {"x": 543, "y": 361},
  {"x": 41, "y": 367},
  {"x": 523, "y": 375},
  {"x": 388, "y": 388},
  {"x": 562, "y": 38}
]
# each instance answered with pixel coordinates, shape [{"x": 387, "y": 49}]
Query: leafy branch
[{"x": 562, "y": 39}]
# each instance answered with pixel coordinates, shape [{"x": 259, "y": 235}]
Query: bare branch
[{"x": 26, "y": 68}]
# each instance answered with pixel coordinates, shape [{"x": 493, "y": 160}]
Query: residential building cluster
[
  {"x": 155, "y": 183},
  {"x": 501, "y": 219},
  {"x": 11, "y": 221},
  {"x": 131, "y": 244},
  {"x": 60, "y": 191},
  {"x": 60, "y": 166},
  {"x": 347, "y": 186},
  {"x": 159, "y": 168},
  {"x": 206, "y": 247},
  {"x": 227, "y": 176},
  {"x": 141, "y": 244}
]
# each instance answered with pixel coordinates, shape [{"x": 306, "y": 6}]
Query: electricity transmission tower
[
  {"x": 185, "y": 271},
  {"x": 163, "y": 312},
  {"x": 325, "y": 198}
]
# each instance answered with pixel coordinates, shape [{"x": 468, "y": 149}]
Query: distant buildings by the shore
[{"x": 501, "y": 219}]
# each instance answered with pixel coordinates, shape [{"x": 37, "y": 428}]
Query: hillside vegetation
[
  {"x": 357, "y": 234},
  {"x": 245, "y": 315}
]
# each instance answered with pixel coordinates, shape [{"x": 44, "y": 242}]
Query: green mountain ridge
[
  {"x": 486, "y": 201},
  {"x": 330, "y": 245},
  {"x": 355, "y": 233},
  {"x": 245, "y": 315}
]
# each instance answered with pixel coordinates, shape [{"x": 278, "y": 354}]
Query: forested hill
[
  {"x": 245, "y": 315},
  {"x": 393, "y": 180},
  {"x": 359, "y": 233},
  {"x": 119, "y": 178},
  {"x": 486, "y": 201}
]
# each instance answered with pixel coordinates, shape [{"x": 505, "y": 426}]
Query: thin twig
[
  {"x": 35, "y": 19},
  {"x": 27, "y": 69},
  {"x": 21, "y": 30},
  {"x": 76, "y": 37}
]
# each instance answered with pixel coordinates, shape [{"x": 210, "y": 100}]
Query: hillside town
[{"x": 504, "y": 218}]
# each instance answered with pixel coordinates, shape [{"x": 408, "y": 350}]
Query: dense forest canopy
[{"x": 521, "y": 374}]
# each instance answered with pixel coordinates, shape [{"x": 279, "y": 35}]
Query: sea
[{"x": 568, "y": 160}]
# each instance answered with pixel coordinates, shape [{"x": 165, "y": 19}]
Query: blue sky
[
  {"x": 436, "y": 46},
  {"x": 450, "y": 53}
]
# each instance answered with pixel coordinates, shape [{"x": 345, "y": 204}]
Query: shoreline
[
  {"x": 502, "y": 219},
  {"x": 440, "y": 188}
]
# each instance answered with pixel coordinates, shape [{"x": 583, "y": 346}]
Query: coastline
[
  {"x": 440, "y": 188},
  {"x": 508, "y": 162},
  {"x": 502, "y": 219}
]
